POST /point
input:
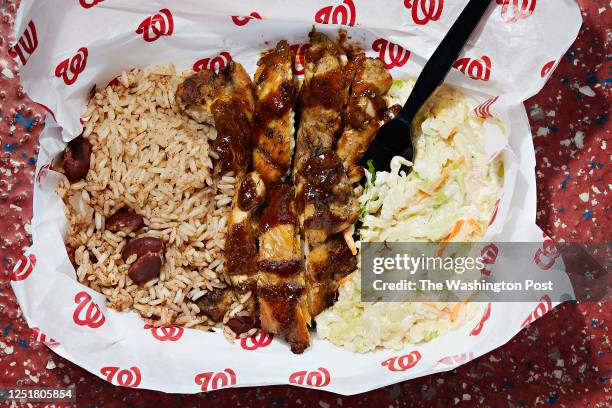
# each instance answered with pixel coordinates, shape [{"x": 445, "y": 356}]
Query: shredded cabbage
[{"x": 449, "y": 195}]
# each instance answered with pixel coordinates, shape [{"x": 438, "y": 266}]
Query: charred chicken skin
[
  {"x": 224, "y": 100},
  {"x": 273, "y": 131},
  {"x": 324, "y": 195},
  {"x": 281, "y": 287},
  {"x": 241, "y": 238}
]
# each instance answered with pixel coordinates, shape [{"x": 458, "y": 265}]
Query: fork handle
[{"x": 442, "y": 59}]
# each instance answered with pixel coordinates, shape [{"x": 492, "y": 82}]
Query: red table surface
[{"x": 562, "y": 359}]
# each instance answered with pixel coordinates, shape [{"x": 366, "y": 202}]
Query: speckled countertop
[{"x": 563, "y": 359}]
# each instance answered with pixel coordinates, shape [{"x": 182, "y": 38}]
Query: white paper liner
[{"x": 522, "y": 43}]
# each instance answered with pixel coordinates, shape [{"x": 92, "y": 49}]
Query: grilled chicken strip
[
  {"x": 323, "y": 96},
  {"x": 241, "y": 238},
  {"x": 223, "y": 100},
  {"x": 275, "y": 96},
  {"x": 324, "y": 194},
  {"x": 364, "y": 111},
  {"x": 281, "y": 287}
]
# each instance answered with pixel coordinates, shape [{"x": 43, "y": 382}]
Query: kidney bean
[
  {"x": 76, "y": 159},
  {"x": 242, "y": 324},
  {"x": 124, "y": 220},
  {"x": 142, "y": 246},
  {"x": 145, "y": 268}
]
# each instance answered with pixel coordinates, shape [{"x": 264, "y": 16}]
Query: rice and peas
[{"x": 150, "y": 157}]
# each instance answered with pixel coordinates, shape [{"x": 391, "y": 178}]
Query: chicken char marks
[
  {"x": 281, "y": 287},
  {"x": 241, "y": 239},
  {"x": 324, "y": 195},
  {"x": 223, "y": 100},
  {"x": 275, "y": 95}
]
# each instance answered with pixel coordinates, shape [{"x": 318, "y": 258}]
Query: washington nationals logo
[
  {"x": 316, "y": 378},
  {"x": 393, "y": 55},
  {"x": 541, "y": 309},
  {"x": 166, "y": 333},
  {"x": 42, "y": 173},
  {"x": 214, "y": 381},
  {"x": 42, "y": 338},
  {"x": 546, "y": 256},
  {"x": 244, "y": 20},
  {"x": 23, "y": 268},
  {"x": 494, "y": 212},
  {"x": 87, "y": 313},
  {"x": 26, "y": 45},
  {"x": 298, "y": 52},
  {"x": 489, "y": 256},
  {"x": 402, "y": 363},
  {"x": 124, "y": 377},
  {"x": 547, "y": 68},
  {"x": 70, "y": 68},
  {"x": 215, "y": 63},
  {"x": 485, "y": 316},
  {"x": 344, "y": 14},
  {"x": 478, "y": 69},
  {"x": 86, "y": 4},
  {"x": 424, "y": 11},
  {"x": 260, "y": 340},
  {"x": 515, "y": 10},
  {"x": 157, "y": 25},
  {"x": 484, "y": 109},
  {"x": 457, "y": 359}
]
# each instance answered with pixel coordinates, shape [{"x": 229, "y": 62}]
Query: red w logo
[
  {"x": 547, "y": 68},
  {"x": 26, "y": 45},
  {"x": 424, "y": 11},
  {"x": 214, "y": 381},
  {"x": 70, "y": 68},
  {"x": 244, "y": 20},
  {"x": 485, "y": 316},
  {"x": 484, "y": 109},
  {"x": 215, "y": 63},
  {"x": 515, "y": 10},
  {"x": 87, "y": 313},
  {"x": 318, "y": 378},
  {"x": 478, "y": 69},
  {"x": 125, "y": 378},
  {"x": 402, "y": 363},
  {"x": 89, "y": 3},
  {"x": 344, "y": 14},
  {"x": 166, "y": 333},
  {"x": 156, "y": 25},
  {"x": 541, "y": 309},
  {"x": 393, "y": 55},
  {"x": 23, "y": 268},
  {"x": 261, "y": 339}
]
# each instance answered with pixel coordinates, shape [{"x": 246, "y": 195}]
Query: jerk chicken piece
[
  {"x": 241, "y": 238},
  {"x": 223, "y": 100},
  {"x": 364, "y": 111},
  {"x": 324, "y": 194},
  {"x": 275, "y": 95},
  {"x": 281, "y": 287}
]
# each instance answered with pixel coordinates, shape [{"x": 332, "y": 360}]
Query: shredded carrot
[
  {"x": 455, "y": 311},
  {"x": 422, "y": 196},
  {"x": 348, "y": 237},
  {"x": 446, "y": 172}
]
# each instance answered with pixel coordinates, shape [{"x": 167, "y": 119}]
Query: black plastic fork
[{"x": 395, "y": 137}]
